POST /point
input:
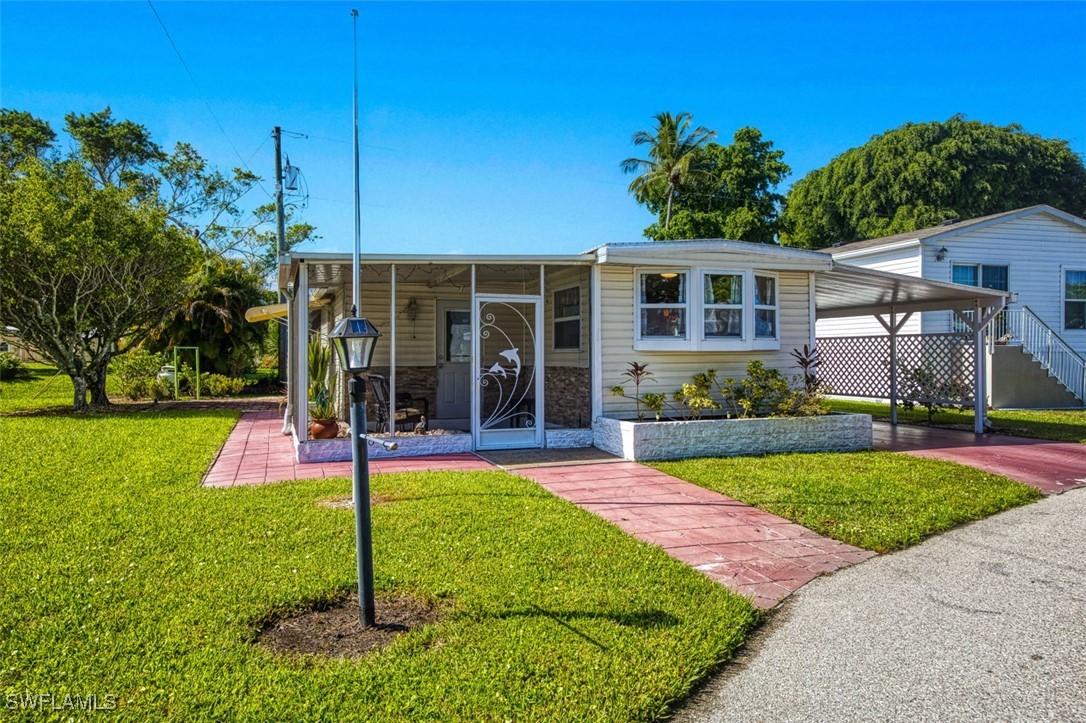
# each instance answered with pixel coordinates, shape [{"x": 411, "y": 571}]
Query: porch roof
[
  {"x": 288, "y": 263},
  {"x": 845, "y": 290}
]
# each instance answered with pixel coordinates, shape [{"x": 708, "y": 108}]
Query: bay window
[{"x": 663, "y": 305}]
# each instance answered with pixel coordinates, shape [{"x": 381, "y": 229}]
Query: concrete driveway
[{"x": 986, "y": 622}]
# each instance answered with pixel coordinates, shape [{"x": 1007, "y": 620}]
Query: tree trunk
[
  {"x": 98, "y": 386},
  {"x": 667, "y": 219},
  {"x": 80, "y": 384}
]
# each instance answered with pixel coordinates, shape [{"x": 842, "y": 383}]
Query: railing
[{"x": 1025, "y": 328}]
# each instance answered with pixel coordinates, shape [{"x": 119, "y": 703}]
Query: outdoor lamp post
[{"x": 354, "y": 340}]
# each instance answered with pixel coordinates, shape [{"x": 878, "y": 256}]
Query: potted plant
[{"x": 323, "y": 423}]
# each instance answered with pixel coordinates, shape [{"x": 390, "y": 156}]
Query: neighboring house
[
  {"x": 1038, "y": 254},
  {"x": 522, "y": 351}
]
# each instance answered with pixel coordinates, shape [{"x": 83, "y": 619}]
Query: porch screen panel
[{"x": 507, "y": 353}]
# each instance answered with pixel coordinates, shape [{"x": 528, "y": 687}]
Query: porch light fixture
[
  {"x": 668, "y": 275},
  {"x": 354, "y": 339},
  {"x": 940, "y": 255},
  {"x": 412, "y": 309}
]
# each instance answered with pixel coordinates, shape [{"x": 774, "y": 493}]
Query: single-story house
[
  {"x": 522, "y": 351},
  {"x": 1039, "y": 255}
]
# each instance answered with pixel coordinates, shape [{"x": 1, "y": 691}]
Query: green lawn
[
  {"x": 876, "y": 500},
  {"x": 120, "y": 575},
  {"x": 41, "y": 388},
  {"x": 1061, "y": 425}
]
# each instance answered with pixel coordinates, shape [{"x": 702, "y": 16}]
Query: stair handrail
[{"x": 1067, "y": 365}]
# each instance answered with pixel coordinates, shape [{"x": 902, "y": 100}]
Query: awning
[{"x": 854, "y": 291}]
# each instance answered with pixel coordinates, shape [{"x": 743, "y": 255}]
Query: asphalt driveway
[{"x": 986, "y": 622}]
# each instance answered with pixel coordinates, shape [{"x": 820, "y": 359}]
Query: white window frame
[
  {"x": 555, "y": 319},
  {"x": 1063, "y": 297},
  {"x": 695, "y": 306},
  {"x": 774, "y": 341}
]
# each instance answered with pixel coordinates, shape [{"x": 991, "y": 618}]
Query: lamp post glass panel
[{"x": 354, "y": 340}]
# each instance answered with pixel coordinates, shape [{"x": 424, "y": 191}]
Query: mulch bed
[{"x": 335, "y": 631}]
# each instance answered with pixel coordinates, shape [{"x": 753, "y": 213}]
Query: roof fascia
[{"x": 871, "y": 250}]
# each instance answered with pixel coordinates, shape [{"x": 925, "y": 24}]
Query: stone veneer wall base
[
  {"x": 648, "y": 441},
  {"x": 339, "y": 450}
]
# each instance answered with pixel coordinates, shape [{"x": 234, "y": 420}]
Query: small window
[
  {"x": 1074, "y": 299},
  {"x": 765, "y": 307},
  {"x": 663, "y": 305},
  {"x": 567, "y": 318},
  {"x": 723, "y": 306},
  {"x": 983, "y": 275}
]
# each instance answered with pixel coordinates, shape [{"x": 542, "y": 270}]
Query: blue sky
[{"x": 491, "y": 127}]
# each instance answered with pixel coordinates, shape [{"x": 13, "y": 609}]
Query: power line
[{"x": 196, "y": 85}]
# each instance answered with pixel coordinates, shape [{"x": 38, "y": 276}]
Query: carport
[{"x": 847, "y": 291}]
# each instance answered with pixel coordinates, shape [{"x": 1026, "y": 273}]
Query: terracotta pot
[{"x": 323, "y": 428}]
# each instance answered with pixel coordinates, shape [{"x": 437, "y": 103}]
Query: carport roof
[{"x": 845, "y": 290}]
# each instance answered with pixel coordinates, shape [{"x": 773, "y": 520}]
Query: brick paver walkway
[
  {"x": 1051, "y": 467},
  {"x": 754, "y": 553},
  {"x": 257, "y": 452}
]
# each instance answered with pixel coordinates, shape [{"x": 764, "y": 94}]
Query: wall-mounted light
[
  {"x": 668, "y": 275},
  {"x": 412, "y": 309},
  {"x": 940, "y": 255}
]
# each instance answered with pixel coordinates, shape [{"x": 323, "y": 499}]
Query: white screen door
[{"x": 508, "y": 391}]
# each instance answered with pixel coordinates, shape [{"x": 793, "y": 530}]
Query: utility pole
[{"x": 280, "y": 242}]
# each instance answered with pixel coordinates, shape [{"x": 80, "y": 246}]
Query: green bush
[
  {"x": 219, "y": 385},
  {"x": 137, "y": 373},
  {"x": 10, "y": 366}
]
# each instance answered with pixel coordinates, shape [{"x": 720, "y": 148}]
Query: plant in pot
[{"x": 322, "y": 393}]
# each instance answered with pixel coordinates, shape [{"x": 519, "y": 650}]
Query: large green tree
[
  {"x": 734, "y": 195},
  {"x": 22, "y": 136},
  {"x": 85, "y": 269},
  {"x": 671, "y": 165},
  {"x": 921, "y": 174},
  {"x": 211, "y": 316}
]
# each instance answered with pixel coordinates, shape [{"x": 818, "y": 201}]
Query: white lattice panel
[{"x": 931, "y": 367}]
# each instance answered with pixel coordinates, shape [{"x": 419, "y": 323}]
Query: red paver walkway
[
  {"x": 755, "y": 553},
  {"x": 257, "y": 452},
  {"x": 1051, "y": 467}
]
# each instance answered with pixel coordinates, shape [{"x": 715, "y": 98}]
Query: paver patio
[
  {"x": 1051, "y": 467},
  {"x": 257, "y": 451}
]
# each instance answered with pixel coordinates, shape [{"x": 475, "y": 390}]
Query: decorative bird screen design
[{"x": 507, "y": 354}]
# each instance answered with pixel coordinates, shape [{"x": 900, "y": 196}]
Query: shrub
[
  {"x": 137, "y": 373},
  {"x": 219, "y": 385},
  {"x": 10, "y": 366}
]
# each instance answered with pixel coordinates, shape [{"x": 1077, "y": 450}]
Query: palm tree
[{"x": 671, "y": 165}]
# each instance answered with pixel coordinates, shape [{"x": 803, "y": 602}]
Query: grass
[
  {"x": 1061, "y": 425},
  {"x": 876, "y": 500},
  {"x": 123, "y": 576},
  {"x": 40, "y": 388}
]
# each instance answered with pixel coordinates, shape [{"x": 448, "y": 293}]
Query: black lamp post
[{"x": 354, "y": 340}]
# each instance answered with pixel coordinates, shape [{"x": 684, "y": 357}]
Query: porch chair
[{"x": 410, "y": 410}]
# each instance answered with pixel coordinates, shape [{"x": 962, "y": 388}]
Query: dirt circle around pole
[{"x": 333, "y": 630}]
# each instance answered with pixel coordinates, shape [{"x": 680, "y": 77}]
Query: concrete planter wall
[
  {"x": 339, "y": 450},
  {"x": 732, "y": 437},
  {"x": 568, "y": 438}
]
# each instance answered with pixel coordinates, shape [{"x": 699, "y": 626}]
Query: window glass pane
[
  {"x": 765, "y": 323},
  {"x": 723, "y": 289},
  {"x": 962, "y": 274},
  {"x": 1075, "y": 285},
  {"x": 663, "y": 323},
  {"x": 655, "y": 289},
  {"x": 994, "y": 277},
  {"x": 457, "y": 336},
  {"x": 567, "y": 302},
  {"x": 1074, "y": 315},
  {"x": 765, "y": 291},
  {"x": 723, "y": 323},
  {"x": 567, "y": 334}
]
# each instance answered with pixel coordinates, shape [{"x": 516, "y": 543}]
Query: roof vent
[{"x": 950, "y": 222}]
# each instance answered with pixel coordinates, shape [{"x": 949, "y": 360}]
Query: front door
[
  {"x": 453, "y": 361},
  {"x": 509, "y": 372}
]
